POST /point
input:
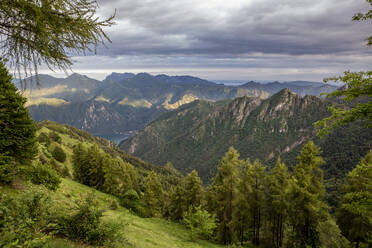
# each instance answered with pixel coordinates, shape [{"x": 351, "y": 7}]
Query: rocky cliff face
[{"x": 197, "y": 135}]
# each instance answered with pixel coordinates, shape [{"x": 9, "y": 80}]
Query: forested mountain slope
[
  {"x": 126, "y": 102},
  {"x": 196, "y": 135}
]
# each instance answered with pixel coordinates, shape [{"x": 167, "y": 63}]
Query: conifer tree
[
  {"x": 255, "y": 177},
  {"x": 306, "y": 193},
  {"x": 242, "y": 210},
  {"x": 78, "y": 163},
  {"x": 276, "y": 202},
  {"x": 186, "y": 196},
  {"x": 17, "y": 130},
  {"x": 224, "y": 192},
  {"x": 355, "y": 214},
  {"x": 193, "y": 190},
  {"x": 119, "y": 177},
  {"x": 153, "y": 194}
]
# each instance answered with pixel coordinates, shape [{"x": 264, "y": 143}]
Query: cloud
[
  {"x": 236, "y": 39},
  {"x": 190, "y": 27}
]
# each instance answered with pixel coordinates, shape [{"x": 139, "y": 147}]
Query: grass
[{"x": 139, "y": 232}]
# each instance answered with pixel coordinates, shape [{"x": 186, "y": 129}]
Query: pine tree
[
  {"x": 153, "y": 194},
  {"x": 355, "y": 213},
  {"x": 242, "y": 210},
  {"x": 119, "y": 177},
  {"x": 17, "y": 130},
  {"x": 255, "y": 177},
  {"x": 78, "y": 163},
  {"x": 186, "y": 196},
  {"x": 306, "y": 193},
  {"x": 276, "y": 202},
  {"x": 224, "y": 191},
  {"x": 193, "y": 190}
]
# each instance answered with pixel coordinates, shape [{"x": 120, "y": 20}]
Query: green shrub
[
  {"x": 200, "y": 222},
  {"x": 131, "y": 195},
  {"x": 131, "y": 201},
  {"x": 86, "y": 224},
  {"x": 114, "y": 205},
  {"x": 59, "y": 154},
  {"x": 7, "y": 170},
  {"x": 23, "y": 217},
  {"x": 43, "y": 159},
  {"x": 44, "y": 138},
  {"x": 43, "y": 174},
  {"x": 55, "y": 137}
]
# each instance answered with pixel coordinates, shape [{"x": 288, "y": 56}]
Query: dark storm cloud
[{"x": 235, "y": 28}]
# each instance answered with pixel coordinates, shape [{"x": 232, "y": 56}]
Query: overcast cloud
[{"x": 235, "y": 39}]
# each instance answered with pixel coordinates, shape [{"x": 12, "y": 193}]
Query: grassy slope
[{"x": 139, "y": 232}]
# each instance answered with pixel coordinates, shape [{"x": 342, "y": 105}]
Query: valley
[{"x": 126, "y": 102}]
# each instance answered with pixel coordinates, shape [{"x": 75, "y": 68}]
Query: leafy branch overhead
[
  {"x": 49, "y": 31},
  {"x": 358, "y": 86},
  {"x": 364, "y": 17}
]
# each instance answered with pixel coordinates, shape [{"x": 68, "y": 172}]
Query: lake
[{"x": 115, "y": 137}]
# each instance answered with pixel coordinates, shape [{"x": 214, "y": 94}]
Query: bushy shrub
[
  {"x": 86, "y": 224},
  {"x": 45, "y": 175},
  {"x": 114, "y": 205},
  {"x": 200, "y": 222},
  {"x": 44, "y": 138},
  {"x": 131, "y": 201},
  {"x": 43, "y": 159},
  {"x": 55, "y": 137},
  {"x": 7, "y": 170},
  {"x": 23, "y": 217},
  {"x": 59, "y": 154},
  {"x": 131, "y": 195}
]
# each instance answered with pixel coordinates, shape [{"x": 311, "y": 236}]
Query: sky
[{"x": 232, "y": 40}]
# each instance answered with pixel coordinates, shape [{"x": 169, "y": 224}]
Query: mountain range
[
  {"x": 126, "y": 102},
  {"x": 197, "y": 135}
]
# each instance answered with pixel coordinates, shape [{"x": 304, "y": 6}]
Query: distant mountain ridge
[
  {"x": 124, "y": 102},
  {"x": 197, "y": 135}
]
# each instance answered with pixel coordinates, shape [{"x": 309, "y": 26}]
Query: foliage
[
  {"x": 364, "y": 17},
  {"x": 44, "y": 138},
  {"x": 44, "y": 175},
  {"x": 59, "y": 154},
  {"x": 23, "y": 218},
  {"x": 17, "y": 130},
  {"x": 86, "y": 224},
  {"x": 200, "y": 222},
  {"x": 357, "y": 85},
  {"x": 55, "y": 137},
  {"x": 306, "y": 192},
  {"x": 37, "y": 32},
  {"x": 185, "y": 196},
  {"x": 154, "y": 195},
  {"x": 355, "y": 213},
  {"x": 224, "y": 191}
]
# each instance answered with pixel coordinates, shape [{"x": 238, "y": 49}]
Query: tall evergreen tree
[
  {"x": 17, "y": 130},
  {"x": 276, "y": 202},
  {"x": 224, "y": 191},
  {"x": 186, "y": 196},
  {"x": 255, "y": 176},
  {"x": 154, "y": 194},
  {"x": 119, "y": 177},
  {"x": 306, "y": 193},
  {"x": 242, "y": 210},
  {"x": 355, "y": 214}
]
